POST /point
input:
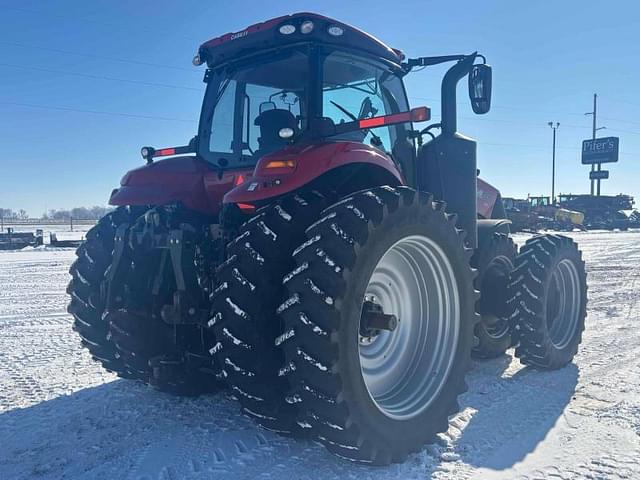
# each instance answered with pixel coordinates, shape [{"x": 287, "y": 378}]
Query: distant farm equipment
[
  {"x": 12, "y": 240},
  {"x": 606, "y": 212},
  {"x": 66, "y": 239},
  {"x": 538, "y": 213}
]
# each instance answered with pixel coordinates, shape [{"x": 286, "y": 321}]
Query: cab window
[{"x": 353, "y": 89}]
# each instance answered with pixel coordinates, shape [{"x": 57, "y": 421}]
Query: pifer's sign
[{"x": 600, "y": 150}]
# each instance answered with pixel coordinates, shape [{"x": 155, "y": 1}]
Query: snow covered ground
[{"x": 61, "y": 416}]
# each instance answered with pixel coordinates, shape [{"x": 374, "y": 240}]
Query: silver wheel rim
[
  {"x": 564, "y": 299},
  {"x": 404, "y": 370}
]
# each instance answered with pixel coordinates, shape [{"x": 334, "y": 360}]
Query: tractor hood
[{"x": 186, "y": 179}]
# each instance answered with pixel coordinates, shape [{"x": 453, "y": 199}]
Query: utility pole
[
  {"x": 553, "y": 164},
  {"x": 593, "y": 136}
]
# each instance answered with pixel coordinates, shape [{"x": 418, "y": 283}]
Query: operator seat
[{"x": 270, "y": 123}]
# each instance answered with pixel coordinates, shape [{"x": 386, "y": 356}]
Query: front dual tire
[{"x": 548, "y": 298}]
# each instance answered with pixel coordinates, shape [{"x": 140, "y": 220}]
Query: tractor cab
[{"x": 297, "y": 80}]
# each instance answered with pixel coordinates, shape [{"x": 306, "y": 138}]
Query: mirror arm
[{"x": 411, "y": 63}]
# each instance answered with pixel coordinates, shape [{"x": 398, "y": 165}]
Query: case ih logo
[
  {"x": 600, "y": 150},
  {"x": 235, "y": 36}
]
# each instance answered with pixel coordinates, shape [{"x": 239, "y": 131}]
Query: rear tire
[
  {"x": 87, "y": 300},
  {"x": 123, "y": 341},
  {"x": 549, "y": 301},
  {"x": 494, "y": 261},
  {"x": 244, "y": 320},
  {"x": 375, "y": 397}
]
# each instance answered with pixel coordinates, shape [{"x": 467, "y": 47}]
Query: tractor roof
[{"x": 270, "y": 34}]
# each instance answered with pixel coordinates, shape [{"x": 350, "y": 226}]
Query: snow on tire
[
  {"x": 548, "y": 295},
  {"x": 374, "y": 396},
  {"x": 243, "y": 318}
]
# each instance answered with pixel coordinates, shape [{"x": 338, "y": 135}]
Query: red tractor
[{"x": 309, "y": 251}]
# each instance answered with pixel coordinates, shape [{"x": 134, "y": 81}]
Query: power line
[
  {"x": 622, "y": 131},
  {"x": 101, "y": 57},
  {"x": 501, "y": 107},
  {"x": 100, "y": 77},
  {"x": 623, "y": 102},
  {"x": 620, "y": 121},
  {"x": 96, "y": 112},
  {"x": 157, "y": 65},
  {"x": 111, "y": 25}
]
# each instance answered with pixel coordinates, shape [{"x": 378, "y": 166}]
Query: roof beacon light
[
  {"x": 287, "y": 29},
  {"x": 306, "y": 27},
  {"x": 335, "y": 30}
]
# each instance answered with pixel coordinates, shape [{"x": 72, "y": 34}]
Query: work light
[{"x": 287, "y": 29}]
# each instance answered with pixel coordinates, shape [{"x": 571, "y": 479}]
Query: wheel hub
[{"x": 373, "y": 319}]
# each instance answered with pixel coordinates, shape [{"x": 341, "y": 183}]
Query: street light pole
[{"x": 553, "y": 164}]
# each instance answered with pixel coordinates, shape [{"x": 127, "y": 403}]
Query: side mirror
[{"x": 480, "y": 88}]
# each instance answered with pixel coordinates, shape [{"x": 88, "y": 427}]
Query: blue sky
[{"x": 77, "y": 57}]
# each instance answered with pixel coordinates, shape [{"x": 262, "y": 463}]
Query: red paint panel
[
  {"x": 311, "y": 162},
  {"x": 486, "y": 198},
  {"x": 242, "y": 33},
  {"x": 187, "y": 179}
]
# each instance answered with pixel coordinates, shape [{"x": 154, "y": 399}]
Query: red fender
[
  {"x": 186, "y": 179},
  {"x": 307, "y": 162},
  {"x": 487, "y": 195}
]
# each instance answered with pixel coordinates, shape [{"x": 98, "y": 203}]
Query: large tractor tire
[
  {"x": 379, "y": 324},
  {"x": 126, "y": 339},
  {"x": 494, "y": 261},
  {"x": 87, "y": 296},
  {"x": 549, "y": 300},
  {"x": 244, "y": 320}
]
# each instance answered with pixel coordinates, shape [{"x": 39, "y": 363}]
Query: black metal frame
[{"x": 178, "y": 246}]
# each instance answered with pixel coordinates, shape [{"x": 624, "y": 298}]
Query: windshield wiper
[{"x": 376, "y": 138}]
